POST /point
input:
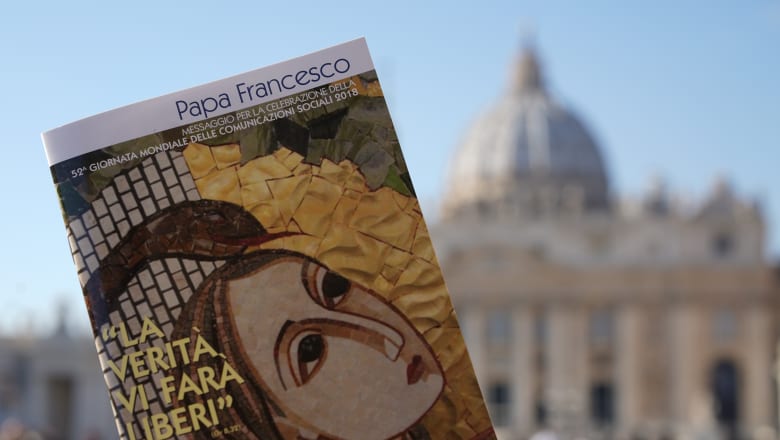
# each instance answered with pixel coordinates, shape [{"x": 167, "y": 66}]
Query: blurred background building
[
  {"x": 51, "y": 387},
  {"x": 590, "y": 317}
]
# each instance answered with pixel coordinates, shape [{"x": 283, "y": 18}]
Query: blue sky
[{"x": 682, "y": 89}]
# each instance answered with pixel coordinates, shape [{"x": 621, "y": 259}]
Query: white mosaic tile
[
  {"x": 123, "y": 226},
  {"x": 95, "y": 235},
  {"x": 172, "y": 265},
  {"x": 100, "y": 207},
  {"x": 196, "y": 278},
  {"x": 161, "y": 313},
  {"x": 177, "y": 195},
  {"x": 190, "y": 265},
  {"x": 148, "y": 207},
  {"x": 92, "y": 263},
  {"x": 106, "y": 224},
  {"x": 135, "y": 174},
  {"x": 113, "y": 240},
  {"x": 128, "y": 308},
  {"x": 83, "y": 276},
  {"x": 163, "y": 161},
  {"x": 85, "y": 247},
  {"x": 142, "y": 189},
  {"x": 146, "y": 280},
  {"x": 151, "y": 174},
  {"x": 128, "y": 199},
  {"x": 192, "y": 194},
  {"x": 109, "y": 195},
  {"x": 157, "y": 267},
  {"x": 136, "y": 293},
  {"x": 117, "y": 212},
  {"x": 114, "y": 317},
  {"x": 170, "y": 298},
  {"x": 164, "y": 283},
  {"x": 180, "y": 164},
  {"x": 135, "y": 217},
  {"x": 101, "y": 250},
  {"x": 78, "y": 228},
  {"x": 113, "y": 350},
  {"x": 89, "y": 219},
  {"x": 188, "y": 184},
  {"x": 134, "y": 323},
  {"x": 121, "y": 183},
  {"x": 72, "y": 242},
  {"x": 167, "y": 328},
  {"x": 159, "y": 191}
]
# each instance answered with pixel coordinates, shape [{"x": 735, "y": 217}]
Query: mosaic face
[{"x": 335, "y": 342}]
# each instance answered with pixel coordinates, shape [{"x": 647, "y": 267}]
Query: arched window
[
  {"x": 724, "y": 384},
  {"x": 498, "y": 403},
  {"x": 499, "y": 327},
  {"x": 602, "y": 404}
]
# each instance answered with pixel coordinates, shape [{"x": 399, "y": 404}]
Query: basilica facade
[{"x": 587, "y": 316}]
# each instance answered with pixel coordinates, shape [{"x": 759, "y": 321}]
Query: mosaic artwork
[{"x": 275, "y": 281}]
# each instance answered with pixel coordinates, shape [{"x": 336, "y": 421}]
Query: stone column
[
  {"x": 628, "y": 372},
  {"x": 566, "y": 387},
  {"x": 580, "y": 364},
  {"x": 473, "y": 318},
  {"x": 683, "y": 349},
  {"x": 757, "y": 375},
  {"x": 522, "y": 371}
]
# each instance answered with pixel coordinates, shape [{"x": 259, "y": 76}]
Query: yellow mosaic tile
[
  {"x": 344, "y": 251},
  {"x": 281, "y": 153},
  {"x": 199, "y": 159},
  {"x": 344, "y": 210},
  {"x": 288, "y": 193},
  {"x": 446, "y": 411},
  {"x": 378, "y": 216},
  {"x": 226, "y": 155},
  {"x": 314, "y": 213},
  {"x": 291, "y": 160},
  {"x": 356, "y": 182},
  {"x": 352, "y": 194},
  {"x": 401, "y": 200},
  {"x": 262, "y": 169},
  {"x": 302, "y": 168},
  {"x": 268, "y": 215},
  {"x": 254, "y": 193},
  {"x": 391, "y": 273},
  {"x": 398, "y": 258},
  {"x": 220, "y": 185},
  {"x": 420, "y": 293},
  {"x": 334, "y": 173},
  {"x": 423, "y": 247},
  {"x": 304, "y": 244},
  {"x": 381, "y": 284}
]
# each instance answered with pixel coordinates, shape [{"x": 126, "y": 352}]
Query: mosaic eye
[
  {"x": 329, "y": 288},
  {"x": 334, "y": 286},
  {"x": 310, "y": 348},
  {"x": 311, "y": 352}
]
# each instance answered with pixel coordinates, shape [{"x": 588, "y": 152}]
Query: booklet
[{"x": 255, "y": 263}]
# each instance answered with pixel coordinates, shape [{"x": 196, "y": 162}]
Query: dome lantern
[{"x": 528, "y": 74}]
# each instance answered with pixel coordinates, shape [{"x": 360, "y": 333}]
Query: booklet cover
[{"x": 256, "y": 266}]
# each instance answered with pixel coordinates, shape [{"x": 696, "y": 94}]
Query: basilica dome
[{"x": 527, "y": 155}]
